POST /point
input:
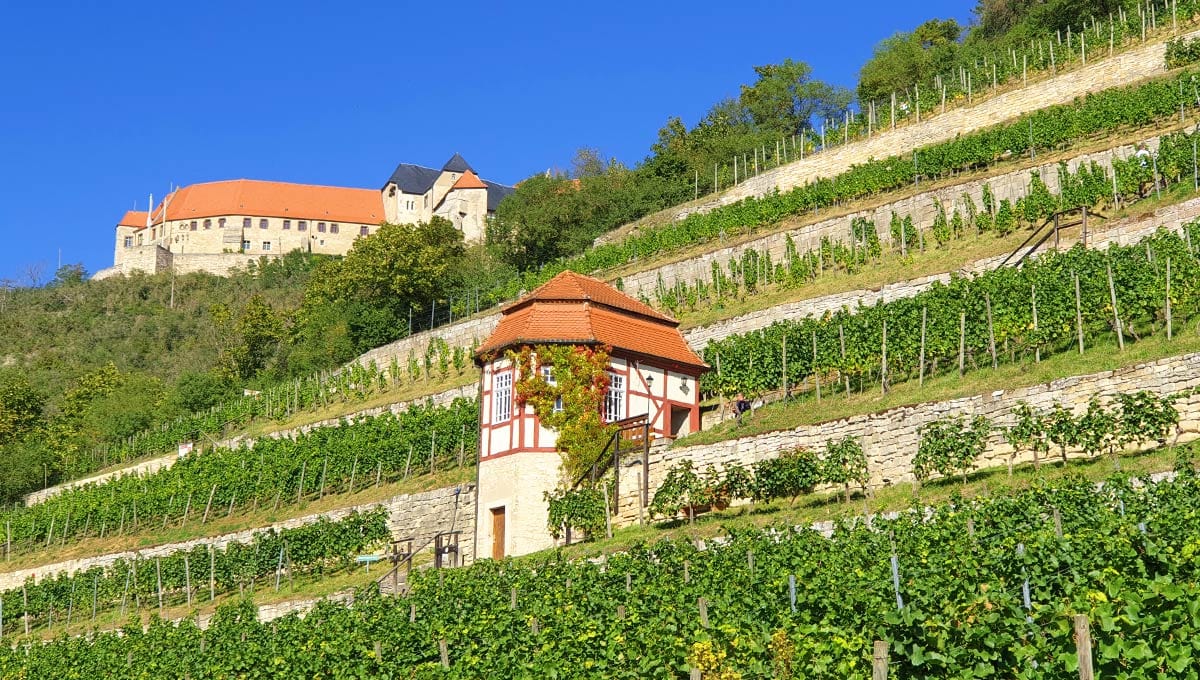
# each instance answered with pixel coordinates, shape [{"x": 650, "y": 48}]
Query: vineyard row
[{"x": 271, "y": 474}]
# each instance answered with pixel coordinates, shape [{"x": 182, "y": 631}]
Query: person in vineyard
[
  {"x": 1143, "y": 157},
  {"x": 741, "y": 405}
]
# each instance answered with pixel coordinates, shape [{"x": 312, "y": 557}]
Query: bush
[
  {"x": 949, "y": 445},
  {"x": 582, "y": 509},
  {"x": 788, "y": 476}
]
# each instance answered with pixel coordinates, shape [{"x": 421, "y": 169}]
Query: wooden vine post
[
  {"x": 1168, "y": 299},
  {"x": 1112, "y": 293},
  {"x": 816, "y": 373},
  {"x": 962, "y": 342},
  {"x": 921, "y": 361},
  {"x": 1078, "y": 312},
  {"x": 1083, "y": 647},
  {"x": 1037, "y": 348},
  {"x": 883, "y": 368},
  {"x": 879, "y": 661},
  {"x": 842, "y": 345},
  {"x": 987, "y": 298}
]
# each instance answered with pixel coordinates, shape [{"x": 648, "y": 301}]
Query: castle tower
[{"x": 652, "y": 373}]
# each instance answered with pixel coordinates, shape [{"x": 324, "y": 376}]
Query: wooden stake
[
  {"x": 991, "y": 331},
  {"x": 921, "y": 362},
  {"x": 816, "y": 373},
  {"x": 962, "y": 342},
  {"x": 1112, "y": 294},
  {"x": 300, "y": 489},
  {"x": 1037, "y": 348},
  {"x": 883, "y": 360},
  {"x": 1083, "y": 647},
  {"x": 879, "y": 661},
  {"x": 212, "y": 573},
  {"x": 1078, "y": 312},
  {"x": 208, "y": 507},
  {"x": 1168, "y": 298}
]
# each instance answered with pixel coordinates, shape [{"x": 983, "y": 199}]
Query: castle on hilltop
[{"x": 217, "y": 226}]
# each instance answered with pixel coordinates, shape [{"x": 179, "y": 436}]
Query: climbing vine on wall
[{"x": 566, "y": 386}]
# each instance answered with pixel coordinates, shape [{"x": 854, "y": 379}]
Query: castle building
[
  {"x": 652, "y": 371},
  {"x": 216, "y": 226}
]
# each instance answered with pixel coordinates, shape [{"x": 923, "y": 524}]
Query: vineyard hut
[{"x": 652, "y": 376}]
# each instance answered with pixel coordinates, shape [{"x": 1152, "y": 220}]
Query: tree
[
  {"x": 196, "y": 391},
  {"x": 21, "y": 407},
  {"x": 251, "y": 339},
  {"x": 1019, "y": 20},
  {"x": 537, "y": 223},
  {"x": 906, "y": 59},
  {"x": 786, "y": 99},
  {"x": 401, "y": 266}
]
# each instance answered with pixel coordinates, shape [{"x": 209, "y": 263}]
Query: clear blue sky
[{"x": 103, "y": 103}]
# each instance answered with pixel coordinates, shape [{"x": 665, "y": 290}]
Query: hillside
[{"x": 947, "y": 414}]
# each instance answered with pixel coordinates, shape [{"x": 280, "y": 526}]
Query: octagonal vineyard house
[{"x": 653, "y": 376}]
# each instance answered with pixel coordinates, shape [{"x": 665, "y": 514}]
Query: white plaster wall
[{"x": 517, "y": 483}]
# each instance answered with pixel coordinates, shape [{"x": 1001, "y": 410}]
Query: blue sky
[{"x": 103, "y": 103}]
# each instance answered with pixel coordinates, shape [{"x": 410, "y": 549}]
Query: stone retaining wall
[{"x": 890, "y": 438}]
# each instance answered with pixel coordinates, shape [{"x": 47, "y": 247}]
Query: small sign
[{"x": 184, "y": 449}]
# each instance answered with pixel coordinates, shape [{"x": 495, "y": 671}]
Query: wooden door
[{"x": 498, "y": 533}]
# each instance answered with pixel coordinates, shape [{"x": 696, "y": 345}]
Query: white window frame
[
  {"x": 548, "y": 376},
  {"x": 502, "y": 397},
  {"x": 614, "y": 399}
]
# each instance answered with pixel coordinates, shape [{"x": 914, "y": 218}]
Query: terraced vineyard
[
  {"x": 1050, "y": 304},
  {"x": 986, "y": 588},
  {"x": 273, "y": 472},
  {"x": 199, "y": 573}
]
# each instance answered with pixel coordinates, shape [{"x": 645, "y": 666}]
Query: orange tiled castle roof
[
  {"x": 134, "y": 218},
  {"x": 576, "y": 309},
  {"x": 256, "y": 198},
  {"x": 469, "y": 180}
]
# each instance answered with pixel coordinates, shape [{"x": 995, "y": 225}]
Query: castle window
[
  {"x": 614, "y": 401},
  {"x": 321, "y": 227},
  {"x": 364, "y": 230},
  {"x": 266, "y": 245},
  {"x": 302, "y": 226},
  {"x": 153, "y": 234},
  {"x": 128, "y": 241},
  {"x": 333, "y": 227},
  {"x": 245, "y": 223},
  {"x": 193, "y": 226},
  {"x": 502, "y": 397},
  {"x": 262, "y": 224},
  {"x": 221, "y": 223},
  {"x": 208, "y": 224},
  {"x": 245, "y": 245},
  {"x": 287, "y": 224}
]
